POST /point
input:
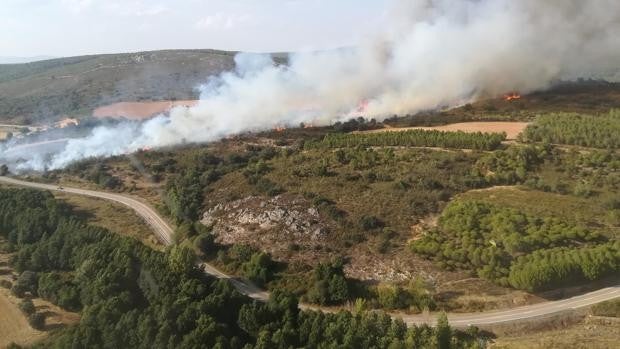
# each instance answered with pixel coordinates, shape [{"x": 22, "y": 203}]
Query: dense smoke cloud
[{"x": 435, "y": 53}]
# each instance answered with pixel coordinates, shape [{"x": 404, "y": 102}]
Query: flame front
[{"x": 512, "y": 96}]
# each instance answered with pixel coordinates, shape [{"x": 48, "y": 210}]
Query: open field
[
  {"x": 511, "y": 128},
  {"x": 139, "y": 110}
]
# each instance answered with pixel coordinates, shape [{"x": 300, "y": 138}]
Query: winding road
[{"x": 164, "y": 232}]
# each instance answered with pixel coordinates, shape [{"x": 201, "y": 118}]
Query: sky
[{"x": 77, "y": 27}]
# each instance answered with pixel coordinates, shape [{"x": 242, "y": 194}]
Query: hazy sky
[{"x": 75, "y": 27}]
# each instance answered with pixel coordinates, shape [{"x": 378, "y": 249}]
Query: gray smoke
[{"x": 434, "y": 53}]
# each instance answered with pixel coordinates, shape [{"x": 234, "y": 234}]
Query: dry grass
[
  {"x": 114, "y": 217},
  {"x": 591, "y": 333},
  {"x": 14, "y": 325}
]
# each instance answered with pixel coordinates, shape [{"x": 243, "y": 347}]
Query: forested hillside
[{"x": 133, "y": 297}]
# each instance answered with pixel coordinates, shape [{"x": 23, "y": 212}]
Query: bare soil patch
[
  {"x": 13, "y": 324},
  {"x": 139, "y": 110},
  {"x": 512, "y": 129}
]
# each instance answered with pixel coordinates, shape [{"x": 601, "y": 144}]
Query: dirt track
[{"x": 512, "y": 129}]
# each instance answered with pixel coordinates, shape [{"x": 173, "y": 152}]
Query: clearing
[
  {"x": 14, "y": 326},
  {"x": 511, "y": 128}
]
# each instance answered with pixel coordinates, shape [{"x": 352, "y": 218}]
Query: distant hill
[
  {"x": 49, "y": 90},
  {"x": 17, "y": 60}
]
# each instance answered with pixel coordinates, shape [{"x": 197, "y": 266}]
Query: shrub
[
  {"x": 27, "y": 307},
  {"x": 205, "y": 243},
  {"x": 259, "y": 268},
  {"x": 37, "y": 321},
  {"x": 6, "y": 284},
  {"x": 370, "y": 223}
]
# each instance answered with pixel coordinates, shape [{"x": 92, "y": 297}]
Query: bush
[
  {"x": 370, "y": 223},
  {"x": 205, "y": 243},
  {"x": 259, "y": 268},
  {"x": 37, "y": 321},
  {"x": 27, "y": 307},
  {"x": 330, "y": 286},
  {"x": 268, "y": 187},
  {"x": 6, "y": 284}
]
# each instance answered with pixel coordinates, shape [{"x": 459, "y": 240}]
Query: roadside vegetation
[{"x": 123, "y": 288}]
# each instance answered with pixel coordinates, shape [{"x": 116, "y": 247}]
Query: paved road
[{"x": 164, "y": 233}]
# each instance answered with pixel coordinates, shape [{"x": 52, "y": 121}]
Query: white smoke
[{"x": 433, "y": 53}]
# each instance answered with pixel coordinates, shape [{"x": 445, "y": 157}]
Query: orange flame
[
  {"x": 512, "y": 96},
  {"x": 279, "y": 128},
  {"x": 308, "y": 125},
  {"x": 147, "y": 148}
]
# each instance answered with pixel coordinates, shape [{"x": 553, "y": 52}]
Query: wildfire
[
  {"x": 308, "y": 125},
  {"x": 279, "y": 128},
  {"x": 147, "y": 148},
  {"x": 67, "y": 122},
  {"x": 361, "y": 108},
  {"x": 512, "y": 96}
]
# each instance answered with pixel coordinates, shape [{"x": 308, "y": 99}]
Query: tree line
[{"x": 411, "y": 138}]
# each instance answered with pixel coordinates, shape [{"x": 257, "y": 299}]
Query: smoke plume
[{"x": 432, "y": 53}]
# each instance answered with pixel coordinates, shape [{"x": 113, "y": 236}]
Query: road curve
[{"x": 164, "y": 233}]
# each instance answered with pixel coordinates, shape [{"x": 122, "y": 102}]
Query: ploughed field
[{"x": 139, "y": 110}]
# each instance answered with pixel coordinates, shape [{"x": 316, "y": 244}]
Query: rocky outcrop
[{"x": 275, "y": 224}]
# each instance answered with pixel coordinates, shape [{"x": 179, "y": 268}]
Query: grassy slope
[
  {"x": 32, "y": 92},
  {"x": 114, "y": 217}
]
